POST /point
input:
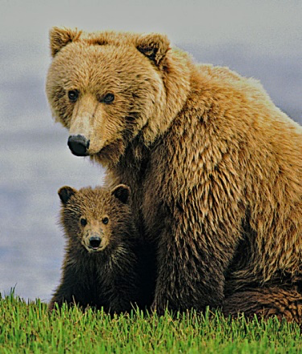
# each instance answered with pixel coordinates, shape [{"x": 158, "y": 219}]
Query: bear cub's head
[{"x": 96, "y": 219}]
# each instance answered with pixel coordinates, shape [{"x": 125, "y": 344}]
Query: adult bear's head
[{"x": 107, "y": 88}]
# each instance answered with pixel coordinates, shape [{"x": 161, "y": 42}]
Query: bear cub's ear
[
  {"x": 65, "y": 193},
  {"x": 154, "y": 46},
  {"x": 60, "y": 37},
  {"x": 122, "y": 192}
]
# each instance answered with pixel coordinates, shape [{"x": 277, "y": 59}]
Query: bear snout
[
  {"x": 94, "y": 242},
  {"x": 78, "y": 144}
]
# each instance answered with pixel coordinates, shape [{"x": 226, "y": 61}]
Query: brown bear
[
  {"x": 215, "y": 167},
  {"x": 101, "y": 264}
]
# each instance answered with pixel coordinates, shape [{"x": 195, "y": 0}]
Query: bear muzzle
[
  {"x": 94, "y": 242},
  {"x": 78, "y": 145}
]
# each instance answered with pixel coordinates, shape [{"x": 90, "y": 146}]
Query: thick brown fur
[
  {"x": 215, "y": 167},
  {"x": 264, "y": 303},
  {"x": 107, "y": 275}
]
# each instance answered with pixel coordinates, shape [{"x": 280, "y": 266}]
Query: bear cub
[{"x": 101, "y": 267}]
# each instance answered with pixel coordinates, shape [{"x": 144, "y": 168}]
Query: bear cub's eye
[
  {"x": 83, "y": 222},
  {"x": 109, "y": 98},
  {"x": 105, "y": 220},
  {"x": 73, "y": 95}
]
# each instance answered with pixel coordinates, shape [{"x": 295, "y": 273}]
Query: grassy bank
[{"x": 29, "y": 328}]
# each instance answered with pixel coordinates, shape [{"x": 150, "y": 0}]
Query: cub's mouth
[
  {"x": 93, "y": 244},
  {"x": 94, "y": 249}
]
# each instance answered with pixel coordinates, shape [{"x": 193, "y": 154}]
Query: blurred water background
[{"x": 262, "y": 39}]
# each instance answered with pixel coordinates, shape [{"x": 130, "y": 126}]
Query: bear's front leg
[
  {"x": 73, "y": 288},
  {"x": 121, "y": 294},
  {"x": 120, "y": 281},
  {"x": 64, "y": 294},
  {"x": 191, "y": 266}
]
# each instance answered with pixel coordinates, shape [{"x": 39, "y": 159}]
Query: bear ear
[
  {"x": 154, "y": 46},
  {"x": 65, "y": 193},
  {"x": 60, "y": 37},
  {"x": 122, "y": 192}
]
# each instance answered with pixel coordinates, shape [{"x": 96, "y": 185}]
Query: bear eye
[
  {"x": 105, "y": 220},
  {"x": 109, "y": 98},
  {"x": 73, "y": 95},
  {"x": 83, "y": 222}
]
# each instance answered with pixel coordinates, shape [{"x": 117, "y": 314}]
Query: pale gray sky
[{"x": 268, "y": 25}]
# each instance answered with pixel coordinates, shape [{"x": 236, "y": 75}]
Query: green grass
[{"x": 30, "y": 328}]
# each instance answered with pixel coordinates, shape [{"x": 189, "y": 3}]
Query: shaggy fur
[
  {"x": 266, "y": 302},
  {"x": 215, "y": 167},
  {"x": 106, "y": 275}
]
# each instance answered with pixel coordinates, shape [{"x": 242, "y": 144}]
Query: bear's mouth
[
  {"x": 95, "y": 243},
  {"x": 110, "y": 152},
  {"x": 93, "y": 248}
]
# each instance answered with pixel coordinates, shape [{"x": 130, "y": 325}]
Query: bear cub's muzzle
[
  {"x": 78, "y": 145},
  {"x": 94, "y": 242}
]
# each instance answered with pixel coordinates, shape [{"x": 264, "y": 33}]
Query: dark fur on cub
[{"x": 100, "y": 266}]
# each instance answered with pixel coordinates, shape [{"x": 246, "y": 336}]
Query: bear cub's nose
[
  {"x": 78, "y": 145},
  {"x": 94, "y": 241}
]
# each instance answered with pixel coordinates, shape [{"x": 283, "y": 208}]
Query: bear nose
[
  {"x": 78, "y": 145},
  {"x": 94, "y": 241}
]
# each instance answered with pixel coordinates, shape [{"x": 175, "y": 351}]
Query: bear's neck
[
  {"x": 179, "y": 79},
  {"x": 134, "y": 162}
]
